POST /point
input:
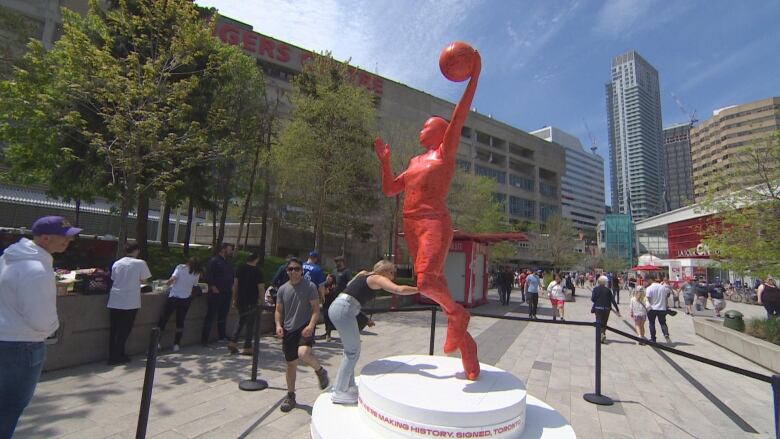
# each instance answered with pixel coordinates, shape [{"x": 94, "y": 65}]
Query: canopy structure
[{"x": 648, "y": 268}]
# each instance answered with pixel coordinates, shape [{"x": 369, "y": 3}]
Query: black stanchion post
[
  {"x": 146, "y": 394},
  {"x": 776, "y": 395},
  {"x": 255, "y": 384},
  {"x": 433, "y": 329},
  {"x": 598, "y": 398}
]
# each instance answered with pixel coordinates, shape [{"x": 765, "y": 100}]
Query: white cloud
[
  {"x": 622, "y": 18},
  {"x": 534, "y": 30}
]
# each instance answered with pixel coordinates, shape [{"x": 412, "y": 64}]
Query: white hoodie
[{"x": 28, "y": 293}]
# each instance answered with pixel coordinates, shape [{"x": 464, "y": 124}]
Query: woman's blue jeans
[
  {"x": 343, "y": 312},
  {"x": 20, "y": 368}
]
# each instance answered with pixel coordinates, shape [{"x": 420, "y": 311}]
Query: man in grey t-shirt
[{"x": 297, "y": 313}]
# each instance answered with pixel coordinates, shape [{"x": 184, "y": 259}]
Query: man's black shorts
[{"x": 291, "y": 340}]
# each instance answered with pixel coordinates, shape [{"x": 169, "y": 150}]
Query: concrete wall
[
  {"x": 84, "y": 327},
  {"x": 761, "y": 352}
]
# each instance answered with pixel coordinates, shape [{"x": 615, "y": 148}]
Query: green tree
[
  {"x": 556, "y": 242},
  {"x": 613, "y": 263},
  {"x": 745, "y": 236},
  {"x": 128, "y": 103},
  {"x": 325, "y": 149},
  {"x": 472, "y": 206}
]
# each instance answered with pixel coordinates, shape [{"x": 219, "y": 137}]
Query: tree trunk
[
  {"x": 246, "y": 236},
  {"x": 142, "y": 224},
  {"x": 124, "y": 212},
  {"x": 214, "y": 230},
  {"x": 165, "y": 218},
  {"x": 222, "y": 219},
  {"x": 266, "y": 203},
  {"x": 78, "y": 211},
  {"x": 188, "y": 230},
  {"x": 250, "y": 192}
]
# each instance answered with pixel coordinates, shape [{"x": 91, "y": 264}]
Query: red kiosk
[{"x": 466, "y": 268}]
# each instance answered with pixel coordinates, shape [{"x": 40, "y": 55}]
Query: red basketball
[{"x": 456, "y": 61}]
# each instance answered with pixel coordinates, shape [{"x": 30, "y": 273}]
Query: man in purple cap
[{"x": 28, "y": 313}]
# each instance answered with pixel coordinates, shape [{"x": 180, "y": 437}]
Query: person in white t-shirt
[
  {"x": 183, "y": 279},
  {"x": 124, "y": 299},
  {"x": 657, "y": 295}
]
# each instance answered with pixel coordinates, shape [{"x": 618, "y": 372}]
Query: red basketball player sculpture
[{"x": 427, "y": 223}]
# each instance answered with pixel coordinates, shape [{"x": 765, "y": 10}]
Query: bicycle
[{"x": 744, "y": 295}]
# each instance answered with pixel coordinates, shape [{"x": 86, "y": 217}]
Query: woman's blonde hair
[
  {"x": 382, "y": 266},
  {"x": 639, "y": 294}
]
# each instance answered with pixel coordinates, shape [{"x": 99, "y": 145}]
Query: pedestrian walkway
[{"x": 196, "y": 391}]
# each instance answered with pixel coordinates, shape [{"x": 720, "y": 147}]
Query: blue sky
[{"x": 545, "y": 62}]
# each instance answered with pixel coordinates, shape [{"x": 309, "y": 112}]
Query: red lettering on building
[
  {"x": 267, "y": 48},
  {"x": 250, "y": 42},
  {"x": 283, "y": 53},
  {"x": 306, "y": 57},
  {"x": 264, "y": 47},
  {"x": 229, "y": 34},
  {"x": 377, "y": 85}
]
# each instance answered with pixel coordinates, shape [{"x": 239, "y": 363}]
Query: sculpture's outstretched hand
[{"x": 382, "y": 149}]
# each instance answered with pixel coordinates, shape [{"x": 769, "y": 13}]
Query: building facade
[
  {"x": 678, "y": 171},
  {"x": 635, "y": 136},
  {"x": 527, "y": 169},
  {"x": 716, "y": 143},
  {"x": 582, "y": 185}
]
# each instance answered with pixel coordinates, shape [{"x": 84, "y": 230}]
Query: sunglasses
[{"x": 293, "y": 268}]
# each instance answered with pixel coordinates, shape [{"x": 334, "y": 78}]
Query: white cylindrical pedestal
[{"x": 420, "y": 396}]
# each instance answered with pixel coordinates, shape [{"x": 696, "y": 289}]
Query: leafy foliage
[
  {"x": 744, "y": 237},
  {"x": 324, "y": 160}
]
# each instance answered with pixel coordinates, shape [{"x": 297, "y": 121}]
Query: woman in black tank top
[{"x": 343, "y": 312}]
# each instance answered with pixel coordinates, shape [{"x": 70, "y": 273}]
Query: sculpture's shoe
[
  {"x": 457, "y": 322},
  {"x": 468, "y": 355}
]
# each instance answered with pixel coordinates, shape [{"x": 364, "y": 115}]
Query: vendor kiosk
[{"x": 466, "y": 267}]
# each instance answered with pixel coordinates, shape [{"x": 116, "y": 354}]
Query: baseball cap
[
  {"x": 314, "y": 254},
  {"x": 54, "y": 225}
]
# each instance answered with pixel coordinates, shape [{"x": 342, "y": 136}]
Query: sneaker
[
  {"x": 668, "y": 339},
  {"x": 289, "y": 402},
  {"x": 232, "y": 347},
  {"x": 603, "y": 338},
  {"x": 247, "y": 351},
  {"x": 322, "y": 377},
  {"x": 175, "y": 348}
]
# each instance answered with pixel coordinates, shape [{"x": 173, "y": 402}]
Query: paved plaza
[{"x": 196, "y": 394}]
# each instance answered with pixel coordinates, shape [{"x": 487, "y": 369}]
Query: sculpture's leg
[
  {"x": 434, "y": 286},
  {"x": 429, "y": 240}
]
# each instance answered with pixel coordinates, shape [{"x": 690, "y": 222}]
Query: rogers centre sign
[{"x": 277, "y": 52}]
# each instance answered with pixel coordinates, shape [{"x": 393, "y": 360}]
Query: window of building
[
  {"x": 495, "y": 174},
  {"x": 548, "y": 190},
  {"x": 521, "y": 182},
  {"x": 521, "y": 207},
  {"x": 546, "y": 211}
]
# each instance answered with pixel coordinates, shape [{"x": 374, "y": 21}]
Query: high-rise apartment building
[
  {"x": 678, "y": 179},
  {"x": 716, "y": 143},
  {"x": 582, "y": 184},
  {"x": 635, "y": 137}
]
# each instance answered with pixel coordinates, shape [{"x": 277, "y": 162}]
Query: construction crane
[
  {"x": 691, "y": 116},
  {"x": 593, "y": 147}
]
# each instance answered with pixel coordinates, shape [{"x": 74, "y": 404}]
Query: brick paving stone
[{"x": 196, "y": 390}]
